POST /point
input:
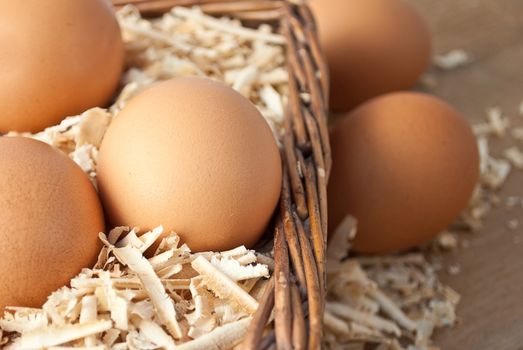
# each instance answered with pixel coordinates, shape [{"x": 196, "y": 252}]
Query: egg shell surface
[
  {"x": 58, "y": 58},
  {"x": 405, "y": 165},
  {"x": 194, "y": 156},
  {"x": 372, "y": 47},
  {"x": 50, "y": 217}
]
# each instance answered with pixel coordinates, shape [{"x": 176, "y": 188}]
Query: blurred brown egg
[
  {"x": 194, "y": 156},
  {"x": 50, "y": 217},
  {"x": 372, "y": 47},
  {"x": 58, "y": 58},
  {"x": 405, "y": 165}
]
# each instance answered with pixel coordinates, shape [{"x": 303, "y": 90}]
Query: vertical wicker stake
[{"x": 296, "y": 293}]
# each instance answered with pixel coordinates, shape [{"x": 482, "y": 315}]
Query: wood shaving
[
  {"x": 515, "y": 156},
  {"x": 447, "y": 240},
  {"x": 339, "y": 244},
  {"x": 223, "y": 286},
  {"x": 452, "y": 59},
  {"x": 493, "y": 171},
  {"x": 396, "y": 301},
  {"x": 225, "y": 337},
  {"x": 496, "y": 124},
  {"x": 152, "y": 285},
  {"x": 238, "y": 272},
  {"x": 51, "y": 336}
]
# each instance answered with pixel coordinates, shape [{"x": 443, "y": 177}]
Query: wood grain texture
[{"x": 491, "y": 277}]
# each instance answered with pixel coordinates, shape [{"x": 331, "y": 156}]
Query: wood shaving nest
[{"x": 177, "y": 299}]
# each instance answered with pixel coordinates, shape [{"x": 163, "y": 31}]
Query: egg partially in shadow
[{"x": 372, "y": 47}]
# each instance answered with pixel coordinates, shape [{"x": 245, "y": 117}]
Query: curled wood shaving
[
  {"x": 156, "y": 335},
  {"x": 197, "y": 16},
  {"x": 392, "y": 310},
  {"x": 223, "y": 286},
  {"x": 88, "y": 314},
  {"x": 23, "y": 320},
  {"x": 339, "y": 244},
  {"x": 50, "y": 336},
  {"x": 366, "y": 319},
  {"x": 151, "y": 283},
  {"x": 237, "y": 272},
  {"x": 225, "y": 337},
  {"x": 202, "y": 320}
]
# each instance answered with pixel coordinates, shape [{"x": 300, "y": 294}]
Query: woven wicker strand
[
  {"x": 261, "y": 10},
  {"x": 296, "y": 293}
]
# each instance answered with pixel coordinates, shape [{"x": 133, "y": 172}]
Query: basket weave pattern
[{"x": 297, "y": 290}]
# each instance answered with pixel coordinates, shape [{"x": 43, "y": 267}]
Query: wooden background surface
[{"x": 491, "y": 277}]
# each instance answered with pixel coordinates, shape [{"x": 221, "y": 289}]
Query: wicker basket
[{"x": 300, "y": 232}]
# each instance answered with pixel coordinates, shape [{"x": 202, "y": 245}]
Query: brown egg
[
  {"x": 50, "y": 217},
  {"x": 372, "y": 47},
  {"x": 194, "y": 156},
  {"x": 405, "y": 165},
  {"x": 58, "y": 58}
]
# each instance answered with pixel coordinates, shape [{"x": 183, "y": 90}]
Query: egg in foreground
[
  {"x": 405, "y": 165},
  {"x": 50, "y": 217},
  {"x": 372, "y": 47},
  {"x": 58, "y": 58},
  {"x": 194, "y": 156}
]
